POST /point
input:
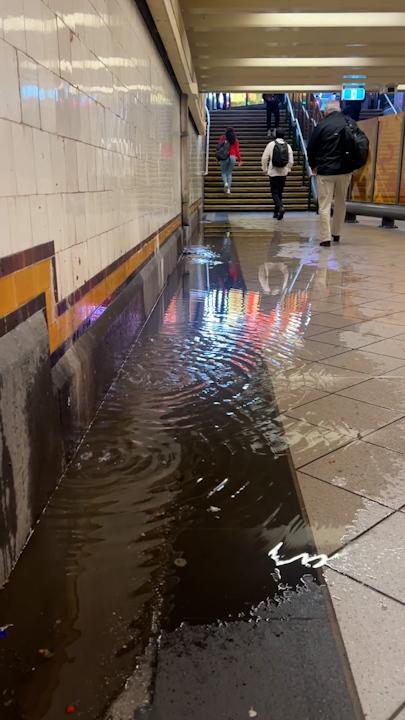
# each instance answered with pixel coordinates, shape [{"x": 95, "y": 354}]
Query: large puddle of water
[{"x": 178, "y": 493}]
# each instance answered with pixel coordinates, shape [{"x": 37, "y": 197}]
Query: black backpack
[
  {"x": 355, "y": 146},
  {"x": 280, "y": 155},
  {"x": 223, "y": 149}
]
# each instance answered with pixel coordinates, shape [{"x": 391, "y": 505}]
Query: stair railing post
[
  {"x": 302, "y": 147},
  {"x": 207, "y": 139}
]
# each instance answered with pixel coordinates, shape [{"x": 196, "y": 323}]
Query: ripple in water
[{"x": 186, "y": 460}]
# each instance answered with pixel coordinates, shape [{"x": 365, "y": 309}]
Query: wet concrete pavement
[{"x": 159, "y": 535}]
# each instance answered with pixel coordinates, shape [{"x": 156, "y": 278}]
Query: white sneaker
[{"x": 228, "y": 191}]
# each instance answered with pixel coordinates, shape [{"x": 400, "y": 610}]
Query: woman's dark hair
[
  {"x": 279, "y": 134},
  {"x": 230, "y": 136}
]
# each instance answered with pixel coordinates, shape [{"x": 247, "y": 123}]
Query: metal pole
[
  {"x": 207, "y": 140},
  {"x": 401, "y": 156},
  {"x": 393, "y": 108}
]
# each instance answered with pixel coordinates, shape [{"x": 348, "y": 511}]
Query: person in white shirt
[{"x": 277, "y": 162}]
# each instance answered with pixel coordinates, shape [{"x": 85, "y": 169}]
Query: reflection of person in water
[
  {"x": 269, "y": 276},
  {"x": 227, "y": 275}
]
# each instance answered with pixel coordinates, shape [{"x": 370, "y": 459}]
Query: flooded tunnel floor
[{"x": 160, "y": 533}]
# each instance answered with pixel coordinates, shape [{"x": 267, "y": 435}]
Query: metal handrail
[
  {"x": 392, "y": 106},
  {"x": 308, "y": 116},
  {"x": 301, "y": 140},
  {"x": 207, "y": 140}
]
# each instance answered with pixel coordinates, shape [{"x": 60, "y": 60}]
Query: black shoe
[
  {"x": 281, "y": 214},
  {"x": 275, "y": 215},
  {"x": 336, "y": 238},
  {"x": 325, "y": 243}
]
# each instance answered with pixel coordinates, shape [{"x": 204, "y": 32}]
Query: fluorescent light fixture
[
  {"x": 355, "y": 77},
  {"x": 219, "y": 18},
  {"x": 315, "y": 62}
]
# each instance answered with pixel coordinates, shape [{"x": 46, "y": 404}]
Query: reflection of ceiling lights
[
  {"x": 315, "y": 62},
  {"x": 356, "y": 45},
  {"x": 290, "y": 20}
]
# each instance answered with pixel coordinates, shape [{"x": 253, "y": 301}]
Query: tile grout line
[
  {"x": 352, "y": 492},
  {"x": 367, "y": 377},
  {"x": 397, "y": 711},
  {"x": 362, "y": 533},
  {"x": 366, "y": 585},
  {"x": 359, "y": 435},
  {"x": 366, "y": 402}
]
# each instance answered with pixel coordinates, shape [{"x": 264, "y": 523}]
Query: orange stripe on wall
[{"x": 24, "y": 285}]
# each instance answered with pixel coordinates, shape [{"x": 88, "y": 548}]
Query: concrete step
[
  {"x": 250, "y": 189},
  {"x": 248, "y": 208}
]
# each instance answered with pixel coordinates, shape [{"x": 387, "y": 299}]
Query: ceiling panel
[{"x": 239, "y": 49}]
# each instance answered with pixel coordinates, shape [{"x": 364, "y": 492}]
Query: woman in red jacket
[{"x": 234, "y": 157}]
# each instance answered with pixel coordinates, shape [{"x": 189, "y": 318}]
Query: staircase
[{"x": 250, "y": 188}]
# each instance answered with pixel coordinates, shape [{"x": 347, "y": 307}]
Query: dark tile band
[
  {"x": 60, "y": 351},
  {"x": 74, "y": 297},
  {"x": 21, "y": 260},
  {"x": 10, "y": 322}
]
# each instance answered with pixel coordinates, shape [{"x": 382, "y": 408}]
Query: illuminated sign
[{"x": 353, "y": 93}]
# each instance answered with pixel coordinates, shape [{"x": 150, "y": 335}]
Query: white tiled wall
[
  {"x": 89, "y": 133},
  {"x": 196, "y": 159}
]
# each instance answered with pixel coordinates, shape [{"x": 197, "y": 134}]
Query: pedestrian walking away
[
  {"x": 272, "y": 101},
  {"x": 277, "y": 163},
  {"x": 337, "y": 147},
  {"x": 228, "y": 154}
]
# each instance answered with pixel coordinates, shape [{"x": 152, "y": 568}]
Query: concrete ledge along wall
[{"x": 91, "y": 225}]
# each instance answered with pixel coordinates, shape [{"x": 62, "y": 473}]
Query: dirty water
[{"x": 163, "y": 525}]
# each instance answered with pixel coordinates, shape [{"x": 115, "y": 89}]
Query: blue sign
[{"x": 353, "y": 93}]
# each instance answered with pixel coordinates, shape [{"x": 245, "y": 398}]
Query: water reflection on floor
[{"x": 179, "y": 492}]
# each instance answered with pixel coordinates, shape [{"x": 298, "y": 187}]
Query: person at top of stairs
[
  {"x": 228, "y": 154},
  {"x": 272, "y": 101},
  {"x": 277, "y": 163}
]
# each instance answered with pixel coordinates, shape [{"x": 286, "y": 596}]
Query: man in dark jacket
[
  {"x": 326, "y": 158},
  {"x": 272, "y": 101}
]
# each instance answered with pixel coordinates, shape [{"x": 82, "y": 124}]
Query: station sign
[{"x": 350, "y": 92}]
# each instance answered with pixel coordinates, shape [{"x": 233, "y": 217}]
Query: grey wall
[{"x": 44, "y": 411}]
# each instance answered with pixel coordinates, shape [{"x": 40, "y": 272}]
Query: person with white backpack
[{"x": 277, "y": 163}]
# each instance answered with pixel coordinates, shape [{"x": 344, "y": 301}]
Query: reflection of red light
[
  {"x": 171, "y": 312},
  {"x": 233, "y": 269},
  {"x": 166, "y": 151},
  {"x": 260, "y": 326},
  {"x": 252, "y": 303}
]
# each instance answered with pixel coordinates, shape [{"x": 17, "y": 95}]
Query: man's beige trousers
[{"x": 329, "y": 187}]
